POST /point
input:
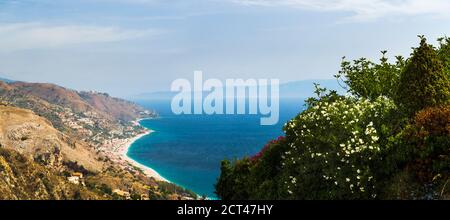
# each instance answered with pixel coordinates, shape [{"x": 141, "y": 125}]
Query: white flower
[
  {"x": 347, "y": 179},
  {"x": 375, "y": 138}
]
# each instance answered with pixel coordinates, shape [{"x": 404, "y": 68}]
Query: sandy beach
[{"x": 123, "y": 151}]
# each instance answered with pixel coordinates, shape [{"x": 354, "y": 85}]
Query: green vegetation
[
  {"x": 423, "y": 82},
  {"x": 371, "y": 80},
  {"x": 166, "y": 189},
  {"x": 389, "y": 139}
]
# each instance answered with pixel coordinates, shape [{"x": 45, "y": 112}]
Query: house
[
  {"x": 122, "y": 193},
  {"x": 77, "y": 174},
  {"x": 76, "y": 178}
]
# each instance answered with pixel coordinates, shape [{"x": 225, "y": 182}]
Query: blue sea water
[{"x": 188, "y": 149}]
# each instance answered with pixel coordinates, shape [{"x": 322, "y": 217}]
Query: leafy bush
[
  {"x": 422, "y": 153},
  {"x": 429, "y": 139},
  {"x": 371, "y": 80},
  {"x": 444, "y": 53},
  {"x": 255, "y": 177}
]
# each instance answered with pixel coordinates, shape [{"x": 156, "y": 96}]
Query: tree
[
  {"x": 424, "y": 82},
  {"x": 366, "y": 79},
  {"x": 444, "y": 53}
]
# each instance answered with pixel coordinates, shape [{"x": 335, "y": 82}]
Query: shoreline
[{"x": 148, "y": 171}]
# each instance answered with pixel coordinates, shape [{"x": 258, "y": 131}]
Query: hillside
[
  {"x": 117, "y": 108},
  {"x": 33, "y": 136},
  {"x": 34, "y": 157},
  {"x": 89, "y": 116},
  {"x": 49, "y": 133},
  {"x": 24, "y": 179},
  {"x": 100, "y": 103}
]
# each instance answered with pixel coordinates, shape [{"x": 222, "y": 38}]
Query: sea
[{"x": 188, "y": 149}]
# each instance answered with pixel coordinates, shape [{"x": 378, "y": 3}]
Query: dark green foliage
[
  {"x": 152, "y": 195},
  {"x": 135, "y": 196},
  {"x": 423, "y": 83},
  {"x": 77, "y": 195},
  {"x": 167, "y": 189},
  {"x": 444, "y": 53},
  {"x": 234, "y": 180},
  {"x": 422, "y": 151},
  {"x": 253, "y": 178},
  {"x": 105, "y": 189},
  {"x": 75, "y": 167}
]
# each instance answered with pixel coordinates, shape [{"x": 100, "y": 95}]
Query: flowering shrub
[
  {"x": 333, "y": 148},
  {"x": 266, "y": 147}
]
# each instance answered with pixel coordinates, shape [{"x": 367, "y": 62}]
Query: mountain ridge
[{"x": 293, "y": 89}]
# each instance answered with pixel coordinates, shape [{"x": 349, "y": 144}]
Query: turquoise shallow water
[{"x": 188, "y": 149}]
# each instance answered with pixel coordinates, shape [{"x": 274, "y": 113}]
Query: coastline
[{"x": 148, "y": 171}]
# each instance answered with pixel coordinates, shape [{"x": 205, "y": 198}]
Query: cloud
[
  {"x": 21, "y": 36},
  {"x": 363, "y": 9}
]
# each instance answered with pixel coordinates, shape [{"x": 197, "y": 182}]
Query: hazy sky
[{"x": 127, "y": 47}]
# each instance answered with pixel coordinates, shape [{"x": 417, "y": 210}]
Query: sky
[{"x": 128, "y": 47}]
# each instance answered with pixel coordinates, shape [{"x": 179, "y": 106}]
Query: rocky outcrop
[
  {"x": 24, "y": 179},
  {"x": 33, "y": 136}
]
